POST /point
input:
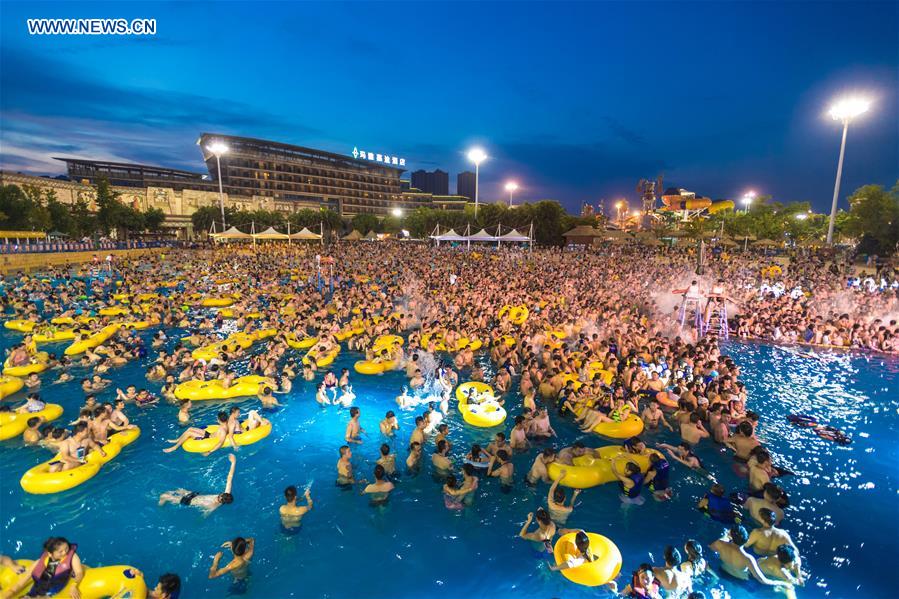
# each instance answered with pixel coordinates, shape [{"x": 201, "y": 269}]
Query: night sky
[{"x": 576, "y": 102}]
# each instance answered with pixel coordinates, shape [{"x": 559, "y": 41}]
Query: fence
[{"x": 44, "y": 247}]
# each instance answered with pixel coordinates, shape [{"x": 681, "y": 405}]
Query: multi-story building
[
  {"x": 121, "y": 174},
  {"x": 435, "y": 182},
  {"x": 465, "y": 184}
]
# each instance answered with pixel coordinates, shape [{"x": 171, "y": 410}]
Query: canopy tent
[
  {"x": 270, "y": 233},
  {"x": 450, "y": 235},
  {"x": 232, "y": 233},
  {"x": 728, "y": 243},
  {"x": 305, "y": 233},
  {"x": 514, "y": 235},
  {"x": 354, "y": 236},
  {"x": 482, "y": 235},
  {"x": 765, "y": 243},
  {"x": 649, "y": 240},
  {"x": 371, "y": 236}
]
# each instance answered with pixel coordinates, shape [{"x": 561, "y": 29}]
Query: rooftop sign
[{"x": 382, "y": 158}]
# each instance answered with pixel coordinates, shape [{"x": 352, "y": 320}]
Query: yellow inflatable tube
[
  {"x": 23, "y": 326},
  {"x": 321, "y": 361},
  {"x": 374, "y": 366},
  {"x": 52, "y": 336},
  {"x": 304, "y": 343},
  {"x": 465, "y": 389},
  {"x": 244, "y": 386},
  {"x": 484, "y": 413},
  {"x": 13, "y": 424},
  {"x": 92, "y": 341},
  {"x": 114, "y": 311},
  {"x": 627, "y": 428},
  {"x": 10, "y": 385},
  {"x": 107, "y": 581},
  {"x": 40, "y": 481},
  {"x": 593, "y": 470},
  {"x": 606, "y": 562},
  {"x": 245, "y": 438},
  {"x": 38, "y": 364}
]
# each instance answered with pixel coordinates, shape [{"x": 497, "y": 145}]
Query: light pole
[
  {"x": 618, "y": 206},
  {"x": 218, "y": 148},
  {"x": 476, "y": 155},
  {"x": 844, "y": 110},
  {"x": 511, "y": 187},
  {"x": 747, "y": 200}
]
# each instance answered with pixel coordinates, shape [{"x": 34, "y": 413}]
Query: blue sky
[{"x": 575, "y": 101}]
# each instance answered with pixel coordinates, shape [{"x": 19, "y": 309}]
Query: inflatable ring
[
  {"x": 13, "y": 424},
  {"x": 594, "y": 470},
  {"x": 114, "y": 311},
  {"x": 665, "y": 400},
  {"x": 10, "y": 385},
  {"x": 92, "y": 341},
  {"x": 40, "y": 481},
  {"x": 485, "y": 415},
  {"x": 108, "y": 581},
  {"x": 304, "y": 343},
  {"x": 248, "y": 437},
  {"x": 37, "y": 365},
  {"x": 604, "y": 567},
  {"x": 217, "y": 302},
  {"x": 322, "y": 361},
  {"x": 54, "y": 336},
  {"x": 387, "y": 342},
  {"x": 244, "y": 386},
  {"x": 465, "y": 389},
  {"x": 62, "y": 320},
  {"x": 23, "y": 326},
  {"x": 627, "y": 428}
]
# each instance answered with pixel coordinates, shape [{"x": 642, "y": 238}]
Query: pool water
[{"x": 843, "y": 519}]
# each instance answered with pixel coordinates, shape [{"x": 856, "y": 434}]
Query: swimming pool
[{"x": 844, "y": 519}]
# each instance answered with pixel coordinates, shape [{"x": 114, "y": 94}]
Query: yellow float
[
  {"x": 52, "y": 336},
  {"x": 92, "y": 341},
  {"x": 231, "y": 313},
  {"x": 38, "y": 364},
  {"x": 596, "y": 469},
  {"x": 114, "y": 311},
  {"x": 604, "y": 567},
  {"x": 484, "y": 411},
  {"x": 10, "y": 385},
  {"x": 107, "y": 581},
  {"x": 388, "y": 342},
  {"x": 627, "y": 428},
  {"x": 508, "y": 341},
  {"x": 13, "y": 424},
  {"x": 466, "y": 343},
  {"x": 248, "y": 437},
  {"x": 376, "y": 366},
  {"x": 23, "y": 326},
  {"x": 244, "y": 386},
  {"x": 138, "y": 325},
  {"x": 433, "y": 338},
  {"x": 62, "y": 320},
  {"x": 321, "y": 360},
  {"x": 217, "y": 302},
  {"x": 304, "y": 343},
  {"x": 40, "y": 481},
  {"x": 517, "y": 314}
]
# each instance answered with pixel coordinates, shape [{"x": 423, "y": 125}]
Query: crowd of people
[{"x": 603, "y": 342}]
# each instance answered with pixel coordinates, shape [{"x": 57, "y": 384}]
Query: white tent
[
  {"x": 450, "y": 235},
  {"x": 354, "y": 236},
  {"x": 371, "y": 236},
  {"x": 305, "y": 233},
  {"x": 514, "y": 235},
  {"x": 232, "y": 233},
  {"x": 482, "y": 235},
  {"x": 270, "y": 233}
]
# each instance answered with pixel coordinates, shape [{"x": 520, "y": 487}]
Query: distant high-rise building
[
  {"x": 436, "y": 182},
  {"x": 465, "y": 184}
]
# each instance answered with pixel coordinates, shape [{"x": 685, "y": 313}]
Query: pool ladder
[
  {"x": 691, "y": 303},
  {"x": 717, "y": 322}
]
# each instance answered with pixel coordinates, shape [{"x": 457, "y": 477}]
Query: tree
[
  {"x": 873, "y": 212},
  {"x": 153, "y": 220},
  {"x": 366, "y": 222},
  {"x": 84, "y": 222},
  {"x": 108, "y": 206}
]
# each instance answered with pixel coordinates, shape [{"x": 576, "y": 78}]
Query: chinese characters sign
[{"x": 382, "y": 158}]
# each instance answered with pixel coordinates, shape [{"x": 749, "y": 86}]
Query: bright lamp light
[
  {"x": 477, "y": 155},
  {"x": 217, "y": 148},
  {"x": 397, "y": 212},
  {"x": 849, "y": 108},
  {"x": 511, "y": 186}
]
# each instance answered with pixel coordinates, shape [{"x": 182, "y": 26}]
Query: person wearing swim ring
[{"x": 57, "y": 566}]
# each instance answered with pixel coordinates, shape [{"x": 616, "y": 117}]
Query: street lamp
[
  {"x": 397, "y": 212},
  {"x": 747, "y": 199},
  {"x": 845, "y": 110},
  {"x": 802, "y": 216},
  {"x": 511, "y": 187},
  {"x": 218, "y": 148},
  {"x": 476, "y": 155},
  {"x": 618, "y": 206}
]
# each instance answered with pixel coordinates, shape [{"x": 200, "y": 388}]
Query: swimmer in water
[
  {"x": 538, "y": 472},
  {"x": 504, "y": 469},
  {"x": 242, "y": 550},
  {"x": 783, "y": 565},
  {"x": 321, "y": 395},
  {"x": 413, "y": 461},
  {"x": 442, "y": 463},
  {"x": 766, "y": 539},
  {"x": 737, "y": 562},
  {"x": 291, "y": 513},
  {"x": 543, "y": 535},
  {"x": 555, "y": 500},
  {"x": 379, "y": 491},
  {"x": 404, "y": 400},
  {"x": 354, "y": 430},
  {"x": 652, "y": 416},
  {"x": 345, "y": 467},
  {"x": 346, "y": 396},
  {"x": 387, "y": 460},
  {"x": 389, "y": 424},
  {"x": 184, "y": 412},
  {"x": 207, "y": 503}
]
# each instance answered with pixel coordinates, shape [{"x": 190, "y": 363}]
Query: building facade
[
  {"x": 435, "y": 182},
  {"x": 465, "y": 184}
]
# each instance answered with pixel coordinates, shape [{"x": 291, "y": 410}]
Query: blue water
[{"x": 843, "y": 519}]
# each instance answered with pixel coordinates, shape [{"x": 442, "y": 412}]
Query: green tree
[
  {"x": 84, "y": 222},
  {"x": 153, "y": 220},
  {"x": 366, "y": 222},
  {"x": 873, "y": 214},
  {"x": 109, "y": 212}
]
